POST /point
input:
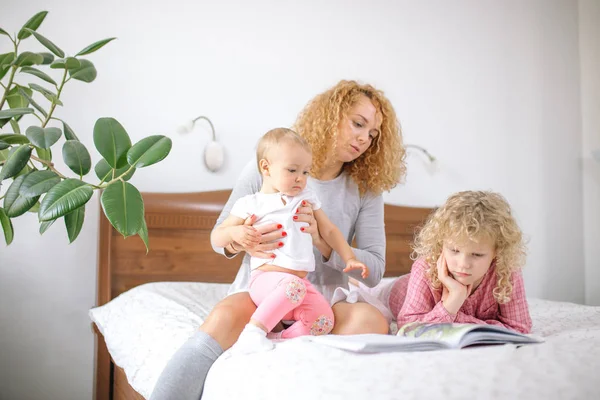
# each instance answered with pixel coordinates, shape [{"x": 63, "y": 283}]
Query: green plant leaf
[
  {"x": 48, "y": 57},
  {"x": 4, "y": 155},
  {"x": 65, "y": 63},
  {"x": 12, "y": 138},
  {"x": 93, "y": 47},
  {"x": 33, "y": 23},
  {"x": 7, "y": 227},
  {"x": 149, "y": 151},
  {"x": 43, "y": 137},
  {"x": 86, "y": 72},
  {"x": 104, "y": 171},
  {"x": 26, "y": 169},
  {"x": 144, "y": 235},
  {"x": 40, "y": 74},
  {"x": 44, "y": 154},
  {"x": 112, "y": 141},
  {"x": 74, "y": 222},
  {"x": 45, "y": 225},
  {"x": 35, "y": 208},
  {"x": 16, "y": 99},
  {"x": 123, "y": 206},
  {"x": 77, "y": 157},
  {"x": 28, "y": 58},
  {"x": 52, "y": 97},
  {"x": 15, "y": 112},
  {"x": 31, "y": 101},
  {"x": 15, "y": 162},
  {"x": 4, "y": 145},
  {"x": 15, "y": 125},
  {"x": 6, "y": 59},
  {"x": 3, "y": 32},
  {"x": 38, "y": 183},
  {"x": 47, "y": 43},
  {"x": 63, "y": 198},
  {"x": 69, "y": 134},
  {"x": 16, "y": 204}
]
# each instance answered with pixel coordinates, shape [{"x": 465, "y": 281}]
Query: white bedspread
[{"x": 142, "y": 330}]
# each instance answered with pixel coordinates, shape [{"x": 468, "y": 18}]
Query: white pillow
[{"x": 144, "y": 326}]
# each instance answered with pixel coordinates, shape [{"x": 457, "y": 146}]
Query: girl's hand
[
  {"x": 454, "y": 293},
  {"x": 270, "y": 238},
  {"x": 352, "y": 264},
  {"x": 304, "y": 213}
]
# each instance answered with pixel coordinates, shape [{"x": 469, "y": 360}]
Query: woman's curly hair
[
  {"x": 474, "y": 215},
  {"x": 381, "y": 166}
]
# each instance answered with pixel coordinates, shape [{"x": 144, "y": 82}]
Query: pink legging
[{"x": 282, "y": 296}]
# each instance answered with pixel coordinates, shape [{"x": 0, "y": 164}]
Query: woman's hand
[
  {"x": 304, "y": 213},
  {"x": 454, "y": 293},
  {"x": 270, "y": 236},
  {"x": 353, "y": 263}
]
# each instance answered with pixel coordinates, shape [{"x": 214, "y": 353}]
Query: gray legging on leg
[{"x": 183, "y": 377}]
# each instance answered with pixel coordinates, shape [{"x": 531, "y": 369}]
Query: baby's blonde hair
[
  {"x": 381, "y": 166},
  {"x": 474, "y": 215},
  {"x": 276, "y": 137}
]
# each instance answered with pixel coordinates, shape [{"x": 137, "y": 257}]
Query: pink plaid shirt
[{"x": 414, "y": 299}]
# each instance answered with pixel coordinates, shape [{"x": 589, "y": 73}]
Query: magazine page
[
  {"x": 463, "y": 335},
  {"x": 376, "y": 343},
  {"x": 451, "y": 334}
]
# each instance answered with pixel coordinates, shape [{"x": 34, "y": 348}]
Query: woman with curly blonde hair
[
  {"x": 469, "y": 256},
  {"x": 357, "y": 154}
]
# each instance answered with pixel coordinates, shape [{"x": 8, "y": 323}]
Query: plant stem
[
  {"x": 38, "y": 117},
  {"x": 53, "y": 106},
  {"x": 49, "y": 165}
]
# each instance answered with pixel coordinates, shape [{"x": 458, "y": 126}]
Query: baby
[{"x": 278, "y": 286}]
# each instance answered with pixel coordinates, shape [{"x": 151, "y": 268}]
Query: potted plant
[{"x": 29, "y": 181}]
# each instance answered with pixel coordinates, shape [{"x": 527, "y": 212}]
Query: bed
[{"x": 148, "y": 305}]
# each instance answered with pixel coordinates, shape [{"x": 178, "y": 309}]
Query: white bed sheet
[{"x": 144, "y": 327}]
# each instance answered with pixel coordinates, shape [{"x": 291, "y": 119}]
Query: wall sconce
[
  {"x": 422, "y": 150},
  {"x": 214, "y": 153}
]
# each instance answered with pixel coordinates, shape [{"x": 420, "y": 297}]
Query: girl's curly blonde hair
[
  {"x": 381, "y": 166},
  {"x": 474, "y": 215}
]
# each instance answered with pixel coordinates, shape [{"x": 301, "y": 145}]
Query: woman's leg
[
  {"x": 356, "y": 318},
  {"x": 184, "y": 375}
]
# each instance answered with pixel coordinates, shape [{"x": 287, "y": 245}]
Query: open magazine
[{"x": 418, "y": 336}]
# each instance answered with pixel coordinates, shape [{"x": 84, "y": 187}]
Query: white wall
[
  {"x": 491, "y": 88},
  {"x": 589, "y": 48}
]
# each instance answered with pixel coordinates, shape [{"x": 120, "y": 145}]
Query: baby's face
[
  {"x": 468, "y": 260},
  {"x": 289, "y": 168}
]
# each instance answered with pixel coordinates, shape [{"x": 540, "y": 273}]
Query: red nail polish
[
  {"x": 280, "y": 244},
  {"x": 279, "y": 226},
  {"x": 303, "y": 203},
  {"x": 302, "y": 229},
  {"x": 295, "y": 217},
  {"x": 284, "y": 234},
  {"x": 272, "y": 255}
]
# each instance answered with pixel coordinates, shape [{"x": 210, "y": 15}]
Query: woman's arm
[{"x": 370, "y": 242}]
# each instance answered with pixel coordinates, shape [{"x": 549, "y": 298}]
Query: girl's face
[
  {"x": 287, "y": 170},
  {"x": 357, "y": 130},
  {"x": 469, "y": 261}
]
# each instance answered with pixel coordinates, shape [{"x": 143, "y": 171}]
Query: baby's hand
[
  {"x": 355, "y": 264},
  {"x": 245, "y": 235}
]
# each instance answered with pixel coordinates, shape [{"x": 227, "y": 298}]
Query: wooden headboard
[{"x": 179, "y": 226}]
